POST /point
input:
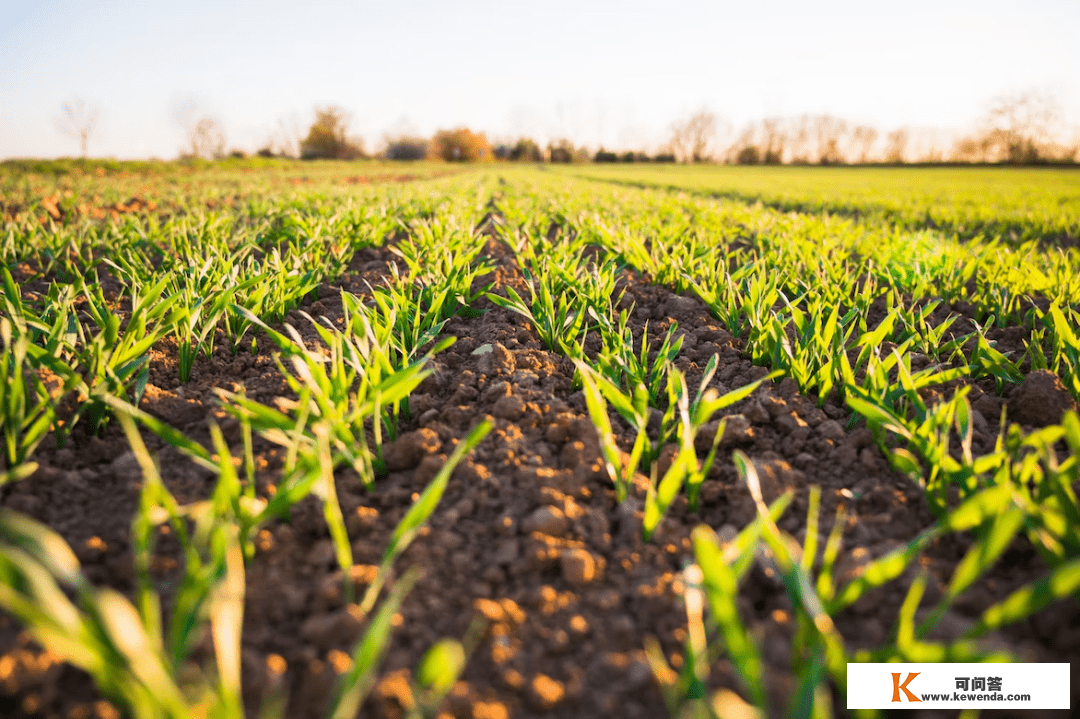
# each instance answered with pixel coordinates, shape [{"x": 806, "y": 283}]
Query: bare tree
[
  {"x": 78, "y": 120},
  {"x": 896, "y": 143},
  {"x": 1021, "y": 126},
  {"x": 864, "y": 137},
  {"x": 828, "y": 131},
  {"x": 204, "y": 135},
  {"x": 774, "y": 141},
  {"x": 692, "y": 139},
  {"x": 206, "y": 139},
  {"x": 285, "y": 140},
  {"x": 799, "y": 137}
]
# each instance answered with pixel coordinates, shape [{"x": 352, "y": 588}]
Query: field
[{"x": 314, "y": 440}]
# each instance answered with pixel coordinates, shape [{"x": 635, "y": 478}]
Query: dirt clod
[
  {"x": 578, "y": 566},
  {"x": 407, "y": 451},
  {"x": 545, "y": 693},
  {"x": 1041, "y": 400},
  {"x": 510, "y": 407},
  {"x": 547, "y": 520}
]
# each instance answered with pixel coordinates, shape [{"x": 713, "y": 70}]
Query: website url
[{"x": 960, "y": 697}]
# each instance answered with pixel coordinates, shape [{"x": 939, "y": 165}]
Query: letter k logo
[{"x": 897, "y": 686}]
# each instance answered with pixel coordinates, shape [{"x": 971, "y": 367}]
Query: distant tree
[
  {"x": 829, "y": 131},
  {"x": 286, "y": 138},
  {"x": 78, "y": 120},
  {"x": 206, "y": 139},
  {"x": 406, "y": 148},
  {"x": 692, "y": 139},
  {"x": 328, "y": 137},
  {"x": 603, "y": 155},
  {"x": 748, "y": 155},
  {"x": 460, "y": 145},
  {"x": 526, "y": 150},
  {"x": 1020, "y": 127},
  {"x": 564, "y": 151},
  {"x": 774, "y": 141},
  {"x": 864, "y": 137},
  {"x": 896, "y": 143}
]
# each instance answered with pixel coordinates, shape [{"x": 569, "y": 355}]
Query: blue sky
[{"x": 611, "y": 73}]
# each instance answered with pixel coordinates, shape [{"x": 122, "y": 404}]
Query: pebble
[
  {"x": 332, "y": 628},
  {"x": 498, "y": 361},
  {"x": 321, "y": 554},
  {"x": 831, "y": 429},
  {"x": 407, "y": 451},
  {"x": 788, "y": 421},
  {"x": 578, "y": 566},
  {"x": 756, "y": 413},
  {"x": 1040, "y": 401},
  {"x": 510, "y": 408},
  {"x": 545, "y": 693},
  {"x": 547, "y": 520},
  {"x": 677, "y": 307},
  {"x": 507, "y": 552}
]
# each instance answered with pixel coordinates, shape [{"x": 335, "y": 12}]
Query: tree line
[{"x": 1020, "y": 129}]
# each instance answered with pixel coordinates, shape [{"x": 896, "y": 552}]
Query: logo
[
  {"x": 897, "y": 687},
  {"x": 958, "y": 685}
]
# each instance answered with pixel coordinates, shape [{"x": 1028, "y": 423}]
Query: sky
[{"x": 612, "y": 74}]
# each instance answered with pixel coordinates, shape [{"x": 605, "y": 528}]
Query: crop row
[
  {"x": 858, "y": 312},
  {"x": 1013, "y": 204},
  {"x": 804, "y": 310}
]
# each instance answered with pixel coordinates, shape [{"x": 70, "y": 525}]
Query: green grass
[{"x": 851, "y": 282}]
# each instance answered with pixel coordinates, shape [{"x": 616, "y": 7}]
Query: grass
[{"x": 853, "y": 283}]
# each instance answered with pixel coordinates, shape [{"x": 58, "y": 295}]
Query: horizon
[{"x": 611, "y": 75}]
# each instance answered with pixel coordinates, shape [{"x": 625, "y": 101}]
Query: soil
[{"x": 528, "y": 537}]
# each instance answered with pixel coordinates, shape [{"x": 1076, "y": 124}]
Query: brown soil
[{"x": 528, "y": 535}]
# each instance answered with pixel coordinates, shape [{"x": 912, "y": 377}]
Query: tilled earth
[{"x": 528, "y": 542}]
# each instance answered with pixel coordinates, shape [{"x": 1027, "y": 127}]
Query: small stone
[
  {"x": 979, "y": 423},
  {"x": 507, "y": 552},
  {"x": 497, "y": 360},
  {"x": 756, "y": 413},
  {"x": 321, "y": 554},
  {"x": 578, "y": 566},
  {"x": 679, "y": 307},
  {"x": 577, "y": 453},
  {"x": 363, "y": 519},
  {"x": 547, "y": 520},
  {"x": 407, "y": 451},
  {"x": 831, "y": 429},
  {"x": 988, "y": 406},
  {"x": 333, "y": 628},
  {"x": 125, "y": 466},
  {"x": 555, "y": 434},
  {"x": 776, "y": 477},
  {"x": 545, "y": 693},
  {"x": 511, "y": 407},
  {"x": 861, "y": 437},
  {"x": 775, "y": 406},
  {"x": 1040, "y": 401},
  {"x": 737, "y": 430},
  {"x": 852, "y": 565},
  {"x": 789, "y": 422}
]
